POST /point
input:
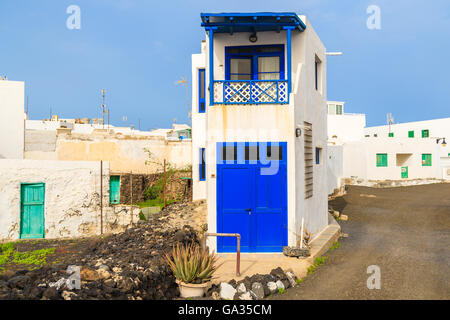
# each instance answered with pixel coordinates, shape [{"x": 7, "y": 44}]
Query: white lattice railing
[{"x": 251, "y": 91}]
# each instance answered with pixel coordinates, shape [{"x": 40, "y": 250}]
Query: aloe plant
[{"x": 190, "y": 264}]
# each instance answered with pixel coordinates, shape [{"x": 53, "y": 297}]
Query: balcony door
[{"x": 255, "y": 63}]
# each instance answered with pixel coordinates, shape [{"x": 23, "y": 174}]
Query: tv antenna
[{"x": 184, "y": 82}]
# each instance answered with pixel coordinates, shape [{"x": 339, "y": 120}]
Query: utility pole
[{"x": 103, "y": 108}]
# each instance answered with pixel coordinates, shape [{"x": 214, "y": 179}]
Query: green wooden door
[
  {"x": 114, "y": 189},
  {"x": 32, "y": 199},
  {"x": 404, "y": 172}
]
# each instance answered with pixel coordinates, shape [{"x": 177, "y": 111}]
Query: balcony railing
[{"x": 251, "y": 92}]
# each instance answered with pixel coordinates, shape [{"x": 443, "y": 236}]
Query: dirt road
[{"x": 405, "y": 231}]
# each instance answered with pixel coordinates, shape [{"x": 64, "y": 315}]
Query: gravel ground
[
  {"x": 405, "y": 231},
  {"x": 128, "y": 265}
]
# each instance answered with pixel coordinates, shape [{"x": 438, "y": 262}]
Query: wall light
[{"x": 253, "y": 38}]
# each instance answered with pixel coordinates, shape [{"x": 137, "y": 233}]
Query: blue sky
[{"x": 137, "y": 49}]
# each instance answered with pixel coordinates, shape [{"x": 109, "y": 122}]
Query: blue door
[{"x": 252, "y": 196}]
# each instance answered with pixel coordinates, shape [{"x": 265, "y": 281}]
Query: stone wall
[{"x": 175, "y": 187}]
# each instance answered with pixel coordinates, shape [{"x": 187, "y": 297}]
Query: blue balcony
[{"x": 251, "y": 92}]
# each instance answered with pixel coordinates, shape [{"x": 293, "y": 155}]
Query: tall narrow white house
[{"x": 259, "y": 129}]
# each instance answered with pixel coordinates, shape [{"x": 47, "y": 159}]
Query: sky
[{"x": 137, "y": 49}]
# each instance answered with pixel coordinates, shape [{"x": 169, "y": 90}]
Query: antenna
[
  {"x": 184, "y": 82},
  {"x": 104, "y": 111}
]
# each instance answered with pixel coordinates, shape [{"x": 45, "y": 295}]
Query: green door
[
  {"x": 114, "y": 189},
  {"x": 404, "y": 172},
  {"x": 32, "y": 224}
]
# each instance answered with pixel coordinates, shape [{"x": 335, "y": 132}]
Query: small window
[
  {"x": 391, "y": 134},
  {"x": 382, "y": 160},
  {"x": 202, "y": 165},
  {"x": 318, "y": 74},
  {"x": 318, "y": 155},
  {"x": 274, "y": 153},
  {"x": 201, "y": 91},
  {"x": 411, "y": 134},
  {"x": 339, "y": 109},
  {"x": 375, "y": 135},
  {"x": 426, "y": 160},
  {"x": 251, "y": 153},
  {"x": 425, "y": 133},
  {"x": 229, "y": 153}
]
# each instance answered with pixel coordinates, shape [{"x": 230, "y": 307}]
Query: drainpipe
[{"x": 289, "y": 56}]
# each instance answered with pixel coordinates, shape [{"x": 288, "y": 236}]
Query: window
[
  {"x": 318, "y": 74},
  {"x": 318, "y": 155},
  {"x": 411, "y": 134},
  {"x": 308, "y": 153},
  {"x": 274, "y": 153},
  {"x": 251, "y": 153},
  {"x": 425, "y": 133},
  {"x": 202, "y": 165},
  {"x": 201, "y": 91},
  {"x": 382, "y": 160},
  {"x": 391, "y": 135},
  {"x": 114, "y": 189},
  {"x": 255, "y": 63},
  {"x": 426, "y": 160},
  {"x": 375, "y": 135},
  {"x": 229, "y": 153},
  {"x": 335, "y": 109}
]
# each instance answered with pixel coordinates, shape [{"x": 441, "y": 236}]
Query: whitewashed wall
[
  {"x": 346, "y": 127},
  {"x": 72, "y": 198},
  {"x": 335, "y": 168},
  {"x": 11, "y": 119}
]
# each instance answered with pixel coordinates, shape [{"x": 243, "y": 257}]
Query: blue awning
[{"x": 251, "y": 22}]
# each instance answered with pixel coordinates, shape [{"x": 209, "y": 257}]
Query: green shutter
[
  {"x": 410, "y": 134},
  {"x": 391, "y": 134},
  {"x": 382, "y": 160},
  {"x": 426, "y": 160},
  {"x": 114, "y": 189},
  {"x": 425, "y": 133}
]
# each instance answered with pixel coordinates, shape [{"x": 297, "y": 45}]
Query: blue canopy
[{"x": 251, "y": 22}]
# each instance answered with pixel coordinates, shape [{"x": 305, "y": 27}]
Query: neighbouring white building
[
  {"x": 408, "y": 151},
  {"x": 259, "y": 129}
]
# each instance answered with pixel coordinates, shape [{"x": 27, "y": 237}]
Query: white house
[
  {"x": 408, "y": 151},
  {"x": 437, "y": 130},
  {"x": 259, "y": 129}
]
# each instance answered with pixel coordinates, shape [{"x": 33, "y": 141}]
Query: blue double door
[{"x": 252, "y": 196}]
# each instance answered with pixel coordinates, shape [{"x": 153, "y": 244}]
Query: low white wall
[
  {"x": 335, "y": 168},
  {"x": 72, "y": 198}
]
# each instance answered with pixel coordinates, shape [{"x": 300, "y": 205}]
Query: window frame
[
  {"x": 253, "y": 55},
  {"x": 427, "y": 135},
  {"x": 383, "y": 162},
  {"x": 427, "y": 160},
  {"x": 201, "y": 100},
  {"x": 202, "y": 165}
]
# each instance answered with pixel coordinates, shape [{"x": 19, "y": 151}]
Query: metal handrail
[{"x": 238, "y": 251}]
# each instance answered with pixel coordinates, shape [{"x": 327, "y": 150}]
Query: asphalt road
[{"x": 405, "y": 231}]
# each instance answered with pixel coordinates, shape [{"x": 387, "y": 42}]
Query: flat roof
[{"x": 251, "y": 21}]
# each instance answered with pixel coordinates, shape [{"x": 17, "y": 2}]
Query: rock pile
[
  {"x": 256, "y": 287},
  {"x": 129, "y": 265}
]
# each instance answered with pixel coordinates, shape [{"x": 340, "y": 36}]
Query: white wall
[
  {"x": 346, "y": 127},
  {"x": 335, "y": 167},
  {"x": 72, "y": 198},
  {"x": 439, "y": 128},
  {"x": 11, "y": 119}
]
